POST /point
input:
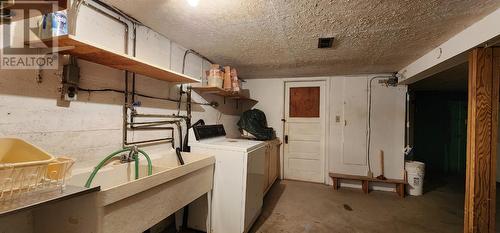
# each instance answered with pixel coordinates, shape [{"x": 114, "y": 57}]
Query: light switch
[{"x": 337, "y": 119}]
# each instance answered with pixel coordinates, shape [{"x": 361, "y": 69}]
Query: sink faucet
[{"x": 127, "y": 158}]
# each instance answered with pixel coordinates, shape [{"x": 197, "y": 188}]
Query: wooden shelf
[
  {"x": 68, "y": 44},
  {"x": 221, "y": 92},
  {"x": 43, "y": 8}
]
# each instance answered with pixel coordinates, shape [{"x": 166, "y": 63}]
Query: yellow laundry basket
[
  {"x": 25, "y": 168},
  {"x": 19, "y": 153}
]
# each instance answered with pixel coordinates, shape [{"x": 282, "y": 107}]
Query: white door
[
  {"x": 355, "y": 123},
  {"x": 304, "y": 142}
]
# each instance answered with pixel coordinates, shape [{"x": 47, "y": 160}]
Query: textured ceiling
[{"x": 278, "y": 38}]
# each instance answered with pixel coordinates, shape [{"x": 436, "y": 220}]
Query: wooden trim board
[
  {"x": 493, "y": 164},
  {"x": 482, "y": 135}
]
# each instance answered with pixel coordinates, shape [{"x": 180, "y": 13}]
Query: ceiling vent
[{"x": 326, "y": 42}]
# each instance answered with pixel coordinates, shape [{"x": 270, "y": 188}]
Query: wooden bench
[{"x": 365, "y": 181}]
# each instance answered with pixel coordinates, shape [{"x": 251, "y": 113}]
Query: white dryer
[{"x": 238, "y": 181}]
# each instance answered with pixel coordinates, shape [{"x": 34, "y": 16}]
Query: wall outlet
[{"x": 69, "y": 92}]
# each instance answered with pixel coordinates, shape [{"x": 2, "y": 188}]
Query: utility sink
[
  {"x": 115, "y": 175},
  {"x": 125, "y": 204}
]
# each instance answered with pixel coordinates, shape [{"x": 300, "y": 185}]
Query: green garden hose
[{"x": 136, "y": 161}]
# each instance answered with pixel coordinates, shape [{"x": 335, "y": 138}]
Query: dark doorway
[
  {"x": 438, "y": 113},
  {"x": 439, "y": 117},
  {"x": 438, "y": 133},
  {"x": 441, "y": 132}
]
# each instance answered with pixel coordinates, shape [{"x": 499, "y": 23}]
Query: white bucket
[{"x": 415, "y": 174}]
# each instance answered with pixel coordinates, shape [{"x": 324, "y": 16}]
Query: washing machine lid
[
  {"x": 214, "y": 137},
  {"x": 229, "y": 144}
]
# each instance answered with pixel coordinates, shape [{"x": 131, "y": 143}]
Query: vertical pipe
[
  {"x": 134, "y": 49},
  {"x": 125, "y": 114},
  {"x": 172, "y": 136},
  {"x": 179, "y": 130},
  {"x": 407, "y": 120},
  {"x": 136, "y": 163},
  {"x": 185, "y": 146}
]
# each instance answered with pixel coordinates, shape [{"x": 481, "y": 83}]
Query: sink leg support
[{"x": 209, "y": 212}]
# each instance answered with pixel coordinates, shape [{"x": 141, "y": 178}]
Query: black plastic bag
[{"x": 254, "y": 122}]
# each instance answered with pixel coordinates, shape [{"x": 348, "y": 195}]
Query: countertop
[{"x": 37, "y": 199}]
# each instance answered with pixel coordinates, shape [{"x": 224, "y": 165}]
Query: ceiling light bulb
[{"x": 193, "y": 3}]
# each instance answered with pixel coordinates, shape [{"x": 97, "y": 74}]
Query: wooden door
[{"x": 304, "y": 142}]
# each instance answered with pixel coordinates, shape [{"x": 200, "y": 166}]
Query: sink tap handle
[{"x": 134, "y": 151}]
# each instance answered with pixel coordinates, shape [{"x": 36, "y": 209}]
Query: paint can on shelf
[
  {"x": 215, "y": 78},
  {"x": 53, "y": 24},
  {"x": 59, "y": 23},
  {"x": 415, "y": 172}
]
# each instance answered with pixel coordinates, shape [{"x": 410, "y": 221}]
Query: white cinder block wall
[
  {"x": 91, "y": 127},
  {"x": 348, "y": 96}
]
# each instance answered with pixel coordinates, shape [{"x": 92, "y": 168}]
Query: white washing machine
[{"x": 238, "y": 181}]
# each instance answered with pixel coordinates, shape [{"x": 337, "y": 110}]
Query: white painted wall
[
  {"x": 388, "y": 119},
  {"x": 91, "y": 127}
]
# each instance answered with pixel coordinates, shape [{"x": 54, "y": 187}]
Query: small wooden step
[{"x": 365, "y": 182}]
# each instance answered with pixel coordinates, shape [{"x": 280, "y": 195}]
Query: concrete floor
[
  {"x": 293, "y": 206},
  {"x": 300, "y": 207}
]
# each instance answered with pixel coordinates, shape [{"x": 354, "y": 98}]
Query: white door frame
[{"x": 326, "y": 81}]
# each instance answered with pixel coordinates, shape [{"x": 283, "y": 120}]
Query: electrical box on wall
[
  {"x": 70, "y": 80},
  {"x": 71, "y": 74}
]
